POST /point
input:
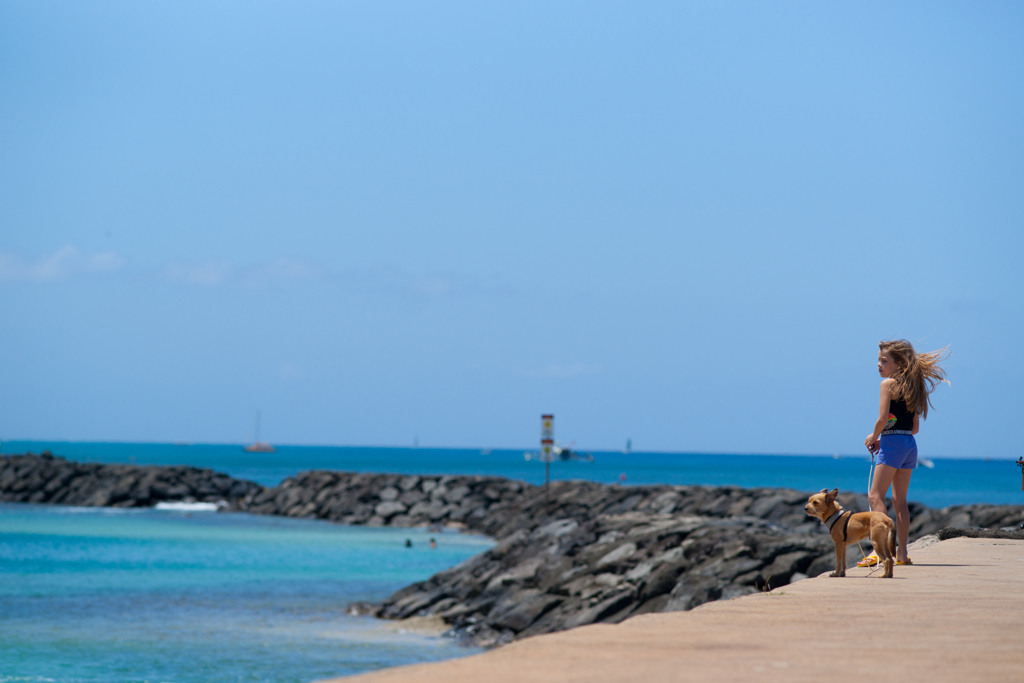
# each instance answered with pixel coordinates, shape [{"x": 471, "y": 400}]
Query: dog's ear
[
  {"x": 831, "y": 495},
  {"x": 823, "y": 491}
]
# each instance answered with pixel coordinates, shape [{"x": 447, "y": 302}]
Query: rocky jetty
[
  {"x": 500, "y": 507},
  {"x": 584, "y": 552},
  {"x": 577, "y": 553},
  {"x": 488, "y": 505},
  {"x": 48, "y": 479}
]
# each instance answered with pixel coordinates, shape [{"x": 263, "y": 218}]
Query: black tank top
[{"x": 900, "y": 418}]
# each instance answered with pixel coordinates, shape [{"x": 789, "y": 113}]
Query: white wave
[{"x": 181, "y": 506}]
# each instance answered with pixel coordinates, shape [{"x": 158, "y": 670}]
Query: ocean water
[
  {"x": 949, "y": 482},
  {"x": 157, "y": 596},
  {"x": 104, "y": 595}
]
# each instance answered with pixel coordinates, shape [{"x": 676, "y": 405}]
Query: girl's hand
[{"x": 873, "y": 443}]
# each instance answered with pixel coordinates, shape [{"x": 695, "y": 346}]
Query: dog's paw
[{"x": 835, "y": 574}]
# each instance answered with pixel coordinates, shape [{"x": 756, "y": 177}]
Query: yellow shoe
[
  {"x": 906, "y": 561},
  {"x": 869, "y": 561}
]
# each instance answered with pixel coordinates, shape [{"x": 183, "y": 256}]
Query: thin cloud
[
  {"x": 105, "y": 262},
  {"x": 413, "y": 289},
  {"x": 65, "y": 263},
  {"x": 279, "y": 271},
  {"x": 202, "y": 274},
  {"x": 421, "y": 288},
  {"x": 213, "y": 273}
]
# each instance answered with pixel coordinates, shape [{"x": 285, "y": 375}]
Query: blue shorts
[{"x": 898, "y": 450}]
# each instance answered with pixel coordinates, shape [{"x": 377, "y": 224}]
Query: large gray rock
[
  {"x": 557, "y": 528},
  {"x": 607, "y": 606},
  {"x": 623, "y": 552},
  {"x": 388, "y": 508},
  {"x": 518, "y": 609},
  {"x": 782, "y": 568},
  {"x": 389, "y": 493}
]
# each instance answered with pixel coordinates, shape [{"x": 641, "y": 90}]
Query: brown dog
[{"x": 850, "y": 527}]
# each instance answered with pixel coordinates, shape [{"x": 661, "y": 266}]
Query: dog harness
[{"x": 836, "y": 516}]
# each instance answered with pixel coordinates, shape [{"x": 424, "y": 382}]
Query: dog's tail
[{"x": 892, "y": 541}]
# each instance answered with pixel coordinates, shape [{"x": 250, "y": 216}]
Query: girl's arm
[
  {"x": 917, "y": 423},
  {"x": 883, "y": 414}
]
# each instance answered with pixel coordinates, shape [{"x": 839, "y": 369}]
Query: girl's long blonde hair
[{"x": 918, "y": 374}]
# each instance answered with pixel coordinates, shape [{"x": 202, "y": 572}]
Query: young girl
[{"x": 908, "y": 379}]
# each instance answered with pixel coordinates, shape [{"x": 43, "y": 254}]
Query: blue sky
[{"x": 688, "y": 224}]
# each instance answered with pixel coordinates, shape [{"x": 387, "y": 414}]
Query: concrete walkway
[{"x": 956, "y": 615}]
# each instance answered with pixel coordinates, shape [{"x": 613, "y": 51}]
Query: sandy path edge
[{"x": 957, "y": 614}]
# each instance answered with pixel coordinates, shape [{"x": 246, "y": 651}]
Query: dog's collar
[{"x": 831, "y": 521}]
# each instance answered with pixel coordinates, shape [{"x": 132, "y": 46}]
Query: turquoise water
[
  {"x": 110, "y": 595},
  {"x": 949, "y": 482}
]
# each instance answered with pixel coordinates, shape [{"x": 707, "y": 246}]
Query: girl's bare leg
[
  {"x": 900, "y": 484},
  {"x": 880, "y": 484}
]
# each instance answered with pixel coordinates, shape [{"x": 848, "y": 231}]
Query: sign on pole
[
  {"x": 547, "y": 437},
  {"x": 547, "y": 445}
]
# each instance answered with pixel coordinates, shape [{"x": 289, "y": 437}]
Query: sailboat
[{"x": 258, "y": 446}]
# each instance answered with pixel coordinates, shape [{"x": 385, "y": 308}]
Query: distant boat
[{"x": 258, "y": 446}]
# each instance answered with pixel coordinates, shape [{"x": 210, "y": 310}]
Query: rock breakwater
[
  {"x": 48, "y": 479},
  {"x": 578, "y": 553},
  {"x": 584, "y": 552}
]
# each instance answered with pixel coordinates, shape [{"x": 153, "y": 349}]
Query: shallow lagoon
[{"x": 166, "y": 596}]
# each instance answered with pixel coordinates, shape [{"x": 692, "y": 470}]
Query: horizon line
[{"x": 185, "y": 444}]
